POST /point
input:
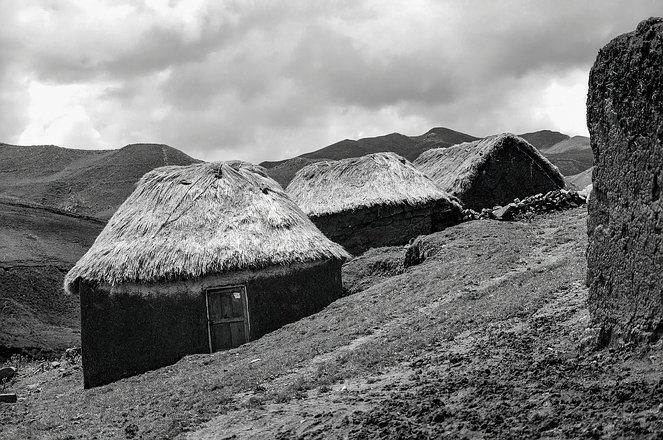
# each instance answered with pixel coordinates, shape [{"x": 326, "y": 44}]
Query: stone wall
[{"x": 625, "y": 225}]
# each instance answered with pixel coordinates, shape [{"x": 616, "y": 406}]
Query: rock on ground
[{"x": 625, "y": 120}]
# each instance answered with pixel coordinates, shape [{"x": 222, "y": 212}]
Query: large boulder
[{"x": 625, "y": 226}]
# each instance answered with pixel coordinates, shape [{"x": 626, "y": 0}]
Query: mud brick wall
[
  {"x": 362, "y": 229},
  {"x": 625, "y": 225}
]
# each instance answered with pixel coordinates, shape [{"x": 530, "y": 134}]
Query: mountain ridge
[{"x": 86, "y": 182}]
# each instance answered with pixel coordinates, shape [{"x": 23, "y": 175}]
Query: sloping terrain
[
  {"x": 87, "y": 182},
  {"x": 544, "y": 139},
  {"x": 575, "y": 143},
  {"x": 581, "y": 180},
  {"x": 37, "y": 247},
  {"x": 486, "y": 337},
  {"x": 572, "y": 156},
  {"x": 53, "y": 203},
  {"x": 409, "y": 147}
]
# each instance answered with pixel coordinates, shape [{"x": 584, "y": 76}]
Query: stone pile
[{"x": 556, "y": 200}]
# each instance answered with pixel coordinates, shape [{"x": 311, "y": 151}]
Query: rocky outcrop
[{"x": 625, "y": 226}]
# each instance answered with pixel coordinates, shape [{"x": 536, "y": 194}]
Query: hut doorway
[{"x": 228, "y": 317}]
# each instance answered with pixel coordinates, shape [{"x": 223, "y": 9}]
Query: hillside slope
[
  {"x": 581, "y": 180},
  {"x": 37, "y": 247},
  {"x": 575, "y": 143},
  {"x": 544, "y": 139},
  {"x": 485, "y": 338},
  {"x": 87, "y": 182}
]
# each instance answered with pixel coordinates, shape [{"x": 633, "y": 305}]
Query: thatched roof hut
[
  {"x": 188, "y": 222},
  {"x": 350, "y": 199},
  {"x": 187, "y": 231},
  {"x": 491, "y": 171}
]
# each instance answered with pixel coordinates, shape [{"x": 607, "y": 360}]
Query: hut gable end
[{"x": 491, "y": 171}]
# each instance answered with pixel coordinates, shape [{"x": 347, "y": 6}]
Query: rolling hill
[
  {"x": 581, "y": 180},
  {"x": 572, "y": 156},
  {"x": 37, "y": 247},
  {"x": 86, "y": 182},
  {"x": 53, "y": 203},
  {"x": 544, "y": 139}
]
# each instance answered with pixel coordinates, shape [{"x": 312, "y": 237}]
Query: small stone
[
  {"x": 506, "y": 212},
  {"x": 55, "y": 364}
]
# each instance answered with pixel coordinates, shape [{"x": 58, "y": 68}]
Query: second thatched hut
[
  {"x": 198, "y": 259},
  {"x": 491, "y": 171},
  {"x": 371, "y": 201}
]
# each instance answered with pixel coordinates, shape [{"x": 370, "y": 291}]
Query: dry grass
[{"x": 373, "y": 180}]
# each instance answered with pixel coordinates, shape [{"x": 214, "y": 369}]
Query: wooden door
[{"x": 228, "y": 317}]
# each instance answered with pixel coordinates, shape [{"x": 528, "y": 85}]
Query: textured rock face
[{"x": 625, "y": 226}]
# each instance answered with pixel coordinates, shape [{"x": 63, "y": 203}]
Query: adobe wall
[
  {"x": 362, "y": 229},
  {"x": 625, "y": 224},
  {"x": 126, "y": 334},
  {"x": 133, "y": 328}
]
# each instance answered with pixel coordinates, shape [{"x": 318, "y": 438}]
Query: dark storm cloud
[
  {"x": 327, "y": 62},
  {"x": 269, "y": 79}
]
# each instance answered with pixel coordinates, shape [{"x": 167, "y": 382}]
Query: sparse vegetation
[{"x": 492, "y": 300}]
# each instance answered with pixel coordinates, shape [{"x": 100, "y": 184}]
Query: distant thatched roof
[
  {"x": 197, "y": 220},
  {"x": 453, "y": 169},
  {"x": 376, "y": 179}
]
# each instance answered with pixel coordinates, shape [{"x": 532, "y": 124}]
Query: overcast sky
[{"x": 263, "y": 80}]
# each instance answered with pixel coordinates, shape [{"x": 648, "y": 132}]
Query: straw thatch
[
  {"x": 456, "y": 168},
  {"x": 193, "y": 221},
  {"x": 380, "y": 179}
]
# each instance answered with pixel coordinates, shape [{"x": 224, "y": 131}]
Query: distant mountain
[
  {"x": 409, "y": 147},
  {"x": 572, "y": 156},
  {"x": 544, "y": 139},
  {"x": 86, "y": 182},
  {"x": 575, "y": 143},
  {"x": 284, "y": 171}
]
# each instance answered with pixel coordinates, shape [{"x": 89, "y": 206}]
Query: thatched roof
[
  {"x": 453, "y": 169},
  {"x": 197, "y": 220},
  {"x": 373, "y": 180}
]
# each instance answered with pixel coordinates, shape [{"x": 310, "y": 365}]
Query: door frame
[{"x": 245, "y": 306}]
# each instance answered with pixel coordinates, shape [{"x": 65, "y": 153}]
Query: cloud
[{"x": 272, "y": 79}]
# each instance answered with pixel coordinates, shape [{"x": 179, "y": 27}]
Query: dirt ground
[{"x": 487, "y": 337}]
